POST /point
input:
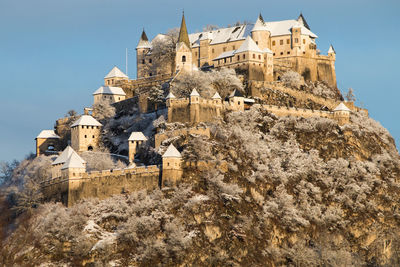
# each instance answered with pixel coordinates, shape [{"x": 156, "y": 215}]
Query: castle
[{"x": 261, "y": 51}]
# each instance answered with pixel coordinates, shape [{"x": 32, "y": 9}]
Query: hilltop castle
[{"x": 261, "y": 51}]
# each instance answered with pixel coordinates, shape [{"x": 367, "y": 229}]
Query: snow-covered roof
[
  {"x": 259, "y": 25},
  {"x": 249, "y": 100},
  {"x": 236, "y": 33},
  {"x": 226, "y": 54},
  {"x": 341, "y": 107},
  {"x": 65, "y": 155},
  {"x": 216, "y": 96},
  {"x": 331, "y": 50},
  {"x": 116, "y": 73},
  {"x": 137, "y": 136},
  {"x": 86, "y": 120},
  {"x": 144, "y": 41},
  {"x": 194, "y": 92},
  {"x": 74, "y": 161},
  {"x": 48, "y": 134},
  {"x": 172, "y": 152},
  {"x": 109, "y": 90},
  {"x": 170, "y": 95},
  {"x": 248, "y": 45},
  {"x": 267, "y": 50}
]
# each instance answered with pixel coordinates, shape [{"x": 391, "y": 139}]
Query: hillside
[{"x": 265, "y": 191}]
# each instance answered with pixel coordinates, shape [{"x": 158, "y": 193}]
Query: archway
[{"x": 90, "y": 148}]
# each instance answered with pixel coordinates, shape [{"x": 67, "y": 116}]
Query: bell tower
[{"x": 183, "y": 59}]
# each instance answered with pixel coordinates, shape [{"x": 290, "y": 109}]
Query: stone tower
[
  {"x": 342, "y": 114},
  {"x": 171, "y": 166},
  {"x": 85, "y": 134},
  {"x": 183, "y": 59},
  {"x": 135, "y": 140},
  {"x": 194, "y": 106},
  {"x": 236, "y": 100},
  {"x": 113, "y": 76},
  {"x": 217, "y": 100},
  {"x": 47, "y": 142},
  {"x": 142, "y": 49},
  {"x": 260, "y": 34}
]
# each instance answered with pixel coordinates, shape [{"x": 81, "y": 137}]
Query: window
[
  {"x": 254, "y": 56},
  {"x": 183, "y": 58},
  {"x": 274, "y": 54},
  {"x": 273, "y": 42},
  {"x": 238, "y": 102},
  {"x": 224, "y": 49},
  {"x": 244, "y": 56},
  {"x": 231, "y": 59},
  {"x": 233, "y": 47},
  {"x": 83, "y": 127},
  {"x": 256, "y": 42},
  {"x": 288, "y": 52},
  {"x": 150, "y": 74},
  {"x": 259, "y": 56},
  {"x": 90, "y": 148},
  {"x": 281, "y": 42},
  {"x": 150, "y": 60},
  {"x": 85, "y": 136},
  {"x": 287, "y": 41},
  {"x": 92, "y": 136},
  {"x": 119, "y": 98},
  {"x": 224, "y": 60},
  {"x": 296, "y": 40},
  {"x": 238, "y": 58},
  {"x": 195, "y": 54},
  {"x": 212, "y": 50},
  {"x": 281, "y": 53},
  {"x": 92, "y": 127},
  {"x": 143, "y": 61},
  {"x": 304, "y": 41}
]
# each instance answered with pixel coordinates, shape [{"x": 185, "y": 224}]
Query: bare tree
[{"x": 350, "y": 95}]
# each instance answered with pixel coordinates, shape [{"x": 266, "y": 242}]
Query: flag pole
[{"x": 126, "y": 61}]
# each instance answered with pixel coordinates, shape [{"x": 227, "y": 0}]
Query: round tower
[{"x": 260, "y": 34}]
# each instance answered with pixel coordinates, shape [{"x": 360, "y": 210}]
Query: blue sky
[{"x": 54, "y": 54}]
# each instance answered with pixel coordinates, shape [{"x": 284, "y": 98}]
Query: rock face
[{"x": 295, "y": 192}]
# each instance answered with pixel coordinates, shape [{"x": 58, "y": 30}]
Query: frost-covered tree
[
  {"x": 103, "y": 110},
  {"x": 292, "y": 79},
  {"x": 156, "y": 96},
  {"x": 350, "y": 95}
]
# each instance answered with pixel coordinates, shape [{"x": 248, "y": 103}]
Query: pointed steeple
[
  {"x": 331, "y": 50},
  {"x": 303, "y": 21},
  {"x": 260, "y": 17},
  {"x": 260, "y": 24},
  {"x": 183, "y": 33},
  {"x": 144, "y": 41}
]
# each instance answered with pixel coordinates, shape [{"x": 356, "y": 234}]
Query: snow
[
  {"x": 260, "y": 25},
  {"x": 194, "y": 92},
  {"x": 48, "y": 134},
  {"x": 74, "y": 161},
  {"x": 137, "y": 136},
  {"x": 116, "y": 73},
  {"x": 172, "y": 152},
  {"x": 170, "y": 95},
  {"x": 341, "y": 107},
  {"x": 331, "y": 50},
  {"x": 86, "y": 120},
  {"x": 64, "y": 155},
  {"x": 109, "y": 90},
  {"x": 216, "y": 96},
  {"x": 225, "y": 55},
  {"x": 249, "y": 45}
]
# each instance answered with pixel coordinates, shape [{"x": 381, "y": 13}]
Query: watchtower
[
  {"x": 135, "y": 140},
  {"x": 85, "y": 134},
  {"x": 171, "y": 166},
  {"x": 342, "y": 114},
  {"x": 47, "y": 142}
]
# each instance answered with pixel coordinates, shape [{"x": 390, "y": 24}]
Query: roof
[
  {"x": 137, "y": 136},
  {"x": 74, "y": 161},
  {"x": 236, "y": 93},
  {"x": 172, "y": 152},
  {"x": 50, "y": 134},
  {"x": 226, "y": 54},
  {"x": 109, "y": 90},
  {"x": 248, "y": 45},
  {"x": 194, "y": 92},
  {"x": 236, "y": 33},
  {"x": 144, "y": 41},
  {"x": 116, "y": 73},
  {"x": 341, "y": 107},
  {"x": 183, "y": 33},
  {"x": 216, "y": 96},
  {"x": 331, "y": 50},
  {"x": 303, "y": 21},
  {"x": 267, "y": 50},
  {"x": 86, "y": 120},
  {"x": 249, "y": 100},
  {"x": 65, "y": 155},
  {"x": 170, "y": 95},
  {"x": 260, "y": 24}
]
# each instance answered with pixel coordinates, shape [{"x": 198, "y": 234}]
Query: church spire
[
  {"x": 183, "y": 34},
  {"x": 144, "y": 41}
]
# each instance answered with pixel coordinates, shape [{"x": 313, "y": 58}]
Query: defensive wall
[{"x": 101, "y": 184}]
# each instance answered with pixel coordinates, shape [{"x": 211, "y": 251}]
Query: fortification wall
[
  {"x": 101, "y": 184},
  {"x": 181, "y": 110},
  {"x": 297, "y": 112}
]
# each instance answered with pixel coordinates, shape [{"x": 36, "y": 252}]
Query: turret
[
  {"x": 110, "y": 94},
  {"x": 85, "y": 133},
  {"x": 171, "y": 166},
  {"x": 135, "y": 140},
  {"x": 261, "y": 34},
  {"x": 142, "y": 49},
  {"x": 113, "y": 76},
  {"x": 194, "y": 107},
  {"x": 47, "y": 142},
  {"x": 342, "y": 114},
  {"x": 332, "y": 53},
  {"x": 236, "y": 100},
  {"x": 218, "y": 102},
  {"x": 296, "y": 37},
  {"x": 183, "y": 60}
]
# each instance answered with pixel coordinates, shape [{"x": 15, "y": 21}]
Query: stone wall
[
  {"x": 160, "y": 137},
  {"x": 182, "y": 110}
]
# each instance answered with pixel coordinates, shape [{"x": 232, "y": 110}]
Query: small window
[
  {"x": 195, "y": 54},
  {"x": 231, "y": 59},
  {"x": 83, "y": 127},
  {"x": 150, "y": 60},
  {"x": 143, "y": 61},
  {"x": 150, "y": 74},
  {"x": 281, "y": 42},
  {"x": 273, "y": 43},
  {"x": 254, "y": 56},
  {"x": 167, "y": 163},
  {"x": 304, "y": 41},
  {"x": 287, "y": 41},
  {"x": 183, "y": 58},
  {"x": 238, "y": 102},
  {"x": 92, "y": 127},
  {"x": 212, "y": 50},
  {"x": 244, "y": 56},
  {"x": 296, "y": 40},
  {"x": 281, "y": 53},
  {"x": 92, "y": 136},
  {"x": 256, "y": 42},
  {"x": 233, "y": 47},
  {"x": 238, "y": 58},
  {"x": 224, "y": 49},
  {"x": 288, "y": 52},
  {"x": 224, "y": 60},
  {"x": 85, "y": 136},
  {"x": 90, "y": 148},
  {"x": 274, "y": 54},
  {"x": 259, "y": 56}
]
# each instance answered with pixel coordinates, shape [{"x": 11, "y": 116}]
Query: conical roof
[
  {"x": 216, "y": 96},
  {"x": 183, "y": 33},
  {"x": 116, "y": 73},
  {"x": 86, "y": 120},
  {"x": 303, "y": 21},
  {"x": 194, "y": 92},
  {"x": 341, "y": 107},
  {"x": 172, "y": 152},
  {"x": 137, "y": 136},
  {"x": 248, "y": 45},
  {"x": 170, "y": 96},
  {"x": 260, "y": 24},
  {"x": 331, "y": 50},
  {"x": 144, "y": 41},
  {"x": 74, "y": 161}
]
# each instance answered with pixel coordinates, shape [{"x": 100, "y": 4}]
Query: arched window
[
  {"x": 90, "y": 148},
  {"x": 183, "y": 58}
]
